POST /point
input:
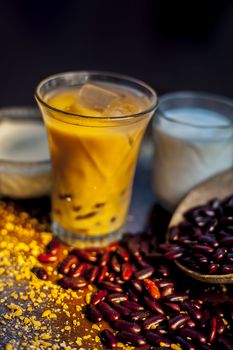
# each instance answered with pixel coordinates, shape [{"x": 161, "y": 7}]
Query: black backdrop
[{"x": 172, "y": 45}]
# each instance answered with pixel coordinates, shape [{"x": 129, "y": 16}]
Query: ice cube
[
  {"x": 96, "y": 97},
  {"x": 122, "y": 107}
]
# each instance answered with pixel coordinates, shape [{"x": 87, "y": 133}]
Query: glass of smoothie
[{"x": 95, "y": 123}]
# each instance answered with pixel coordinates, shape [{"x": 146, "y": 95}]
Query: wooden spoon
[{"x": 219, "y": 186}]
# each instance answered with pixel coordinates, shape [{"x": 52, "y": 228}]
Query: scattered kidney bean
[
  {"x": 100, "y": 295},
  {"x": 72, "y": 283},
  {"x": 69, "y": 262},
  {"x": 102, "y": 274},
  {"x": 109, "y": 313},
  {"x": 109, "y": 339},
  {"x": 127, "y": 271},
  {"x": 92, "y": 314},
  {"x": 134, "y": 339},
  {"x": 153, "y": 321},
  {"x": 40, "y": 273},
  {"x": 152, "y": 288},
  {"x": 156, "y": 339},
  {"x": 53, "y": 246},
  {"x": 171, "y": 319},
  {"x": 92, "y": 274},
  {"x": 122, "y": 325},
  {"x": 178, "y": 322},
  {"x": 117, "y": 297},
  {"x": 47, "y": 258},
  {"x": 145, "y": 273}
]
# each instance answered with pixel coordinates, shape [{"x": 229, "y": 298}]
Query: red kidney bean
[
  {"x": 210, "y": 240},
  {"x": 163, "y": 283},
  {"x": 213, "y": 329},
  {"x": 92, "y": 314},
  {"x": 134, "y": 339},
  {"x": 108, "y": 312},
  {"x": 213, "y": 268},
  {"x": 141, "y": 262},
  {"x": 72, "y": 283},
  {"x": 220, "y": 253},
  {"x": 166, "y": 291},
  {"x": 227, "y": 269},
  {"x": 174, "y": 255},
  {"x": 123, "y": 311},
  {"x": 220, "y": 326},
  {"x": 104, "y": 259},
  {"x": 145, "y": 273},
  {"x": 173, "y": 306},
  {"x": 156, "y": 339},
  {"x": 111, "y": 277},
  {"x": 227, "y": 241},
  {"x": 137, "y": 284},
  {"x": 122, "y": 325},
  {"x": 192, "y": 311},
  {"x": 40, "y": 273},
  {"x": 132, "y": 305},
  {"x": 193, "y": 334},
  {"x": 92, "y": 274},
  {"x": 139, "y": 315},
  {"x": 102, "y": 274},
  {"x": 85, "y": 255},
  {"x": 202, "y": 248},
  {"x": 132, "y": 295},
  {"x": 152, "y": 304},
  {"x": 69, "y": 262},
  {"x": 47, "y": 258},
  {"x": 112, "y": 287},
  {"x": 115, "y": 265},
  {"x": 100, "y": 295},
  {"x": 78, "y": 270},
  {"x": 153, "y": 321},
  {"x": 185, "y": 344},
  {"x": 152, "y": 288},
  {"x": 229, "y": 258},
  {"x": 109, "y": 339},
  {"x": 118, "y": 280},
  {"x": 191, "y": 324},
  {"x": 112, "y": 247},
  {"x": 202, "y": 259},
  {"x": 117, "y": 297},
  {"x": 53, "y": 246},
  {"x": 205, "y": 317},
  {"x": 123, "y": 253},
  {"x": 127, "y": 271},
  {"x": 177, "y": 297},
  {"x": 178, "y": 322}
]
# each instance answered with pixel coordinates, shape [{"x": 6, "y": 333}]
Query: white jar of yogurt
[{"x": 193, "y": 138}]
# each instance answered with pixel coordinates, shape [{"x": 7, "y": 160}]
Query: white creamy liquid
[
  {"x": 24, "y": 141},
  {"x": 186, "y": 155}
]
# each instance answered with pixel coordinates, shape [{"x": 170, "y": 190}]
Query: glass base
[{"x": 82, "y": 241}]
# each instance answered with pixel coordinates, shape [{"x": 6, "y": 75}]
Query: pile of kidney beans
[
  {"x": 142, "y": 298},
  {"x": 204, "y": 240}
]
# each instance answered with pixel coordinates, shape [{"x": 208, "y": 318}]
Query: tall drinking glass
[{"x": 95, "y": 123}]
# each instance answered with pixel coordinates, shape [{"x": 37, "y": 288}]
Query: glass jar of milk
[{"x": 193, "y": 137}]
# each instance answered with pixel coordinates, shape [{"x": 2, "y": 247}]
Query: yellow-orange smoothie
[{"x": 93, "y": 158}]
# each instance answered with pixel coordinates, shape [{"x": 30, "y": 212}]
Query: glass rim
[
  {"x": 153, "y": 106},
  {"x": 195, "y": 95}
]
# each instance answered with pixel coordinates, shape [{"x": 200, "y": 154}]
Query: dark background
[{"x": 171, "y": 45}]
